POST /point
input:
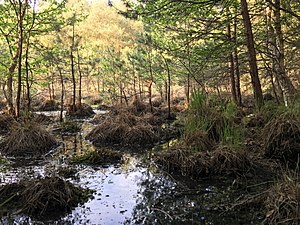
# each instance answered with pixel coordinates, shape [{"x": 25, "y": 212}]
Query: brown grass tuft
[
  {"x": 281, "y": 137},
  {"x": 48, "y": 105},
  {"x": 231, "y": 160},
  {"x": 224, "y": 160},
  {"x": 6, "y": 122},
  {"x": 183, "y": 160},
  {"x": 42, "y": 197},
  {"x": 283, "y": 202},
  {"x": 124, "y": 128},
  {"x": 27, "y": 139},
  {"x": 198, "y": 140},
  {"x": 84, "y": 110}
]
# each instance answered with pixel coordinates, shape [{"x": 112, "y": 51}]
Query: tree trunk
[
  {"x": 231, "y": 68},
  {"x": 22, "y": 10},
  {"x": 73, "y": 106},
  {"x": 285, "y": 83},
  {"x": 80, "y": 80},
  {"x": 28, "y": 98},
  {"x": 62, "y": 95},
  {"x": 237, "y": 66},
  {"x": 252, "y": 55},
  {"x": 151, "y": 81},
  {"x": 9, "y": 95}
]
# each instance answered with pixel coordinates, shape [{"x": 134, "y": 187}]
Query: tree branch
[{"x": 283, "y": 9}]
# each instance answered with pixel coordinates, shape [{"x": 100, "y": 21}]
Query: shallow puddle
[{"x": 131, "y": 192}]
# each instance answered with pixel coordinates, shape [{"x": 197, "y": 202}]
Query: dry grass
[
  {"x": 83, "y": 111},
  {"x": 127, "y": 129},
  {"x": 283, "y": 202},
  {"x": 182, "y": 159},
  {"x": 48, "y": 105},
  {"x": 6, "y": 122},
  {"x": 43, "y": 197},
  {"x": 281, "y": 137},
  {"x": 224, "y": 160},
  {"x": 231, "y": 160},
  {"x": 198, "y": 140},
  {"x": 27, "y": 139}
]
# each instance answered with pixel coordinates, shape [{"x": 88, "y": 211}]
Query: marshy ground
[{"x": 214, "y": 164}]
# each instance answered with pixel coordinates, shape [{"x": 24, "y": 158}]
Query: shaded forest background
[{"x": 112, "y": 52}]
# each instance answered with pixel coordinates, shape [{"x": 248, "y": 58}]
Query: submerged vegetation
[{"x": 101, "y": 156}]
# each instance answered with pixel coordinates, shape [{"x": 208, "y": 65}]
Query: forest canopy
[{"x": 115, "y": 50}]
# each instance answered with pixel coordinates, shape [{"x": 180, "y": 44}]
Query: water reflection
[{"x": 130, "y": 193}]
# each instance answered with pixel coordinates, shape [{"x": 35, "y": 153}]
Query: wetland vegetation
[{"x": 149, "y": 112}]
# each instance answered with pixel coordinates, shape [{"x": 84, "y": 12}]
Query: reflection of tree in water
[
  {"x": 75, "y": 145},
  {"x": 162, "y": 201},
  {"x": 159, "y": 204}
]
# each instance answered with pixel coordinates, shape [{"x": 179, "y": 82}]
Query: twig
[{"x": 163, "y": 212}]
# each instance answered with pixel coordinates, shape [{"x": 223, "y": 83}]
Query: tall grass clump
[
  {"x": 198, "y": 112},
  {"x": 197, "y": 122},
  {"x": 231, "y": 133}
]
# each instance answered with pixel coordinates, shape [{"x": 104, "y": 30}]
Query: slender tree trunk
[
  {"x": 140, "y": 86},
  {"x": 166, "y": 91},
  {"x": 121, "y": 91},
  {"x": 9, "y": 95},
  {"x": 252, "y": 55},
  {"x": 62, "y": 94},
  {"x": 50, "y": 92},
  {"x": 237, "y": 66},
  {"x": 231, "y": 68},
  {"x": 285, "y": 83},
  {"x": 80, "y": 80},
  {"x": 28, "y": 98},
  {"x": 169, "y": 92},
  {"x": 22, "y": 10},
  {"x": 151, "y": 81},
  {"x": 73, "y": 106}
]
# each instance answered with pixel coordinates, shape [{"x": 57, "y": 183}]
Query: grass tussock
[
  {"x": 125, "y": 128},
  {"x": 48, "y": 105},
  {"x": 99, "y": 157},
  {"x": 283, "y": 202},
  {"x": 81, "y": 111},
  {"x": 198, "y": 140},
  {"x": 183, "y": 160},
  {"x": 27, "y": 139},
  {"x": 224, "y": 160},
  {"x": 6, "y": 121},
  {"x": 70, "y": 126},
  {"x": 231, "y": 160},
  {"x": 281, "y": 138},
  {"x": 43, "y": 197}
]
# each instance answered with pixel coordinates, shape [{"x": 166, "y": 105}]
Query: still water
[{"x": 133, "y": 191}]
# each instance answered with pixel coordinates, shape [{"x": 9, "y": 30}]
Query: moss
[{"x": 98, "y": 157}]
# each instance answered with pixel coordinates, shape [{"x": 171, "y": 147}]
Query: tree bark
[
  {"x": 62, "y": 94},
  {"x": 285, "y": 83},
  {"x": 73, "y": 106},
  {"x": 231, "y": 68},
  {"x": 80, "y": 80},
  {"x": 255, "y": 81},
  {"x": 22, "y": 10},
  {"x": 237, "y": 66}
]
